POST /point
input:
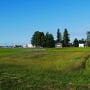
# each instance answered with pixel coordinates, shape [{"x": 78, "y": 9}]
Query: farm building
[
  {"x": 30, "y": 46},
  {"x": 58, "y": 45},
  {"x": 81, "y": 45}
]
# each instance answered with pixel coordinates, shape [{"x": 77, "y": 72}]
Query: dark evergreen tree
[
  {"x": 88, "y": 39},
  {"x": 66, "y": 38},
  {"x": 59, "y": 38},
  {"x": 82, "y": 41},
  {"x": 75, "y": 42},
  {"x": 34, "y": 38},
  {"x": 49, "y": 39},
  {"x": 42, "y": 40}
]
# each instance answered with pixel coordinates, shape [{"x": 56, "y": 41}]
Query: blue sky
[{"x": 19, "y": 19}]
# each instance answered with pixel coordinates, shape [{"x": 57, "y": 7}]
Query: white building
[
  {"x": 58, "y": 45},
  {"x": 30, "y": 46},
  {"x": 81, "y": 45}
]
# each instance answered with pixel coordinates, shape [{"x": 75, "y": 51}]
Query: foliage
[
  {"x": 82, "y": 41},
  {"x": 38, "y": 39},
  {"x": 76, "y": 42},
  {"x": 41, "y": 40},
  {"x": 88, "y": 43},
  {"x": 88, "y": 39},
  {"x": 66, "y": 38},
  {"x": 59, "y": 37},
  {"x": 49, "y": 39}
]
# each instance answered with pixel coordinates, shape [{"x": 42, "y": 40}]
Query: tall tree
[
  {"x": 49, "y": 39},
  {"x": 59, "y": 38},
  {"x": 42, "y": 39},
  {"x": 88, "y": 39},
  {"x": 65, "y": 38},
  {"x": 76, "y": 42}
]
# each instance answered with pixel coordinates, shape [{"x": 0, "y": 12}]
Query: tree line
[
  {"x": 41, "y": 39},
  {"x": 85, "y": 41}
]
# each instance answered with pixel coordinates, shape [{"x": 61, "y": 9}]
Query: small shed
[
  {"x": 81, "y": 45},
  {"x": 58, "y": 45}
]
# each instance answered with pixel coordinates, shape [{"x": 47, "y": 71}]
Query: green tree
[
  {"x": 42, "y": 39},
  {"x": 38, "y": 39},
  {"x": 65, "y": 38},
  {"x": 59, "y": 38},
  {"x": 76, "y": 42},
  {"x": 88, "y": 39},
  {"x": 82, "y": 41},
  {"x": 49, "y": 39},
  {"x": 34, "y": 38}
]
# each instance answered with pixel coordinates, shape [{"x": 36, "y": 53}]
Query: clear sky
[{"x": 19, "y": 19}]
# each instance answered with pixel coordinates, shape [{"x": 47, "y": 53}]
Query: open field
[{"x": 45, "y": 69}]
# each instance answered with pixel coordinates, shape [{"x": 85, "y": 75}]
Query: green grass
[{"x": 45, "y": 69}]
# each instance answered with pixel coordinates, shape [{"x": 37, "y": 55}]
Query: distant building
[
  {"x": 30, "y": 46},
  {"x": 81, "y": 45},
  {"x": 58, "y": 45}
]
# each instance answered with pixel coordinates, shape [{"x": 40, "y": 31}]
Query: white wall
[
  {"x": 58, "y": 45},
  {"x": 30, "y": 46},
  {"x": 81, "y": 45}
]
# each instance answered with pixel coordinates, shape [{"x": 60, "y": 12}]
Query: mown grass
[{"x": 45, "y": 69}]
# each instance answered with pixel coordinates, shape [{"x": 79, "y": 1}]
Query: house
[
  {"x": 58, "y": 45},
  {"x": 81, "y": 45}
]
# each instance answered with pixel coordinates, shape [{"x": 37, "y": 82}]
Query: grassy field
[{"x": 45, "y": 69}]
